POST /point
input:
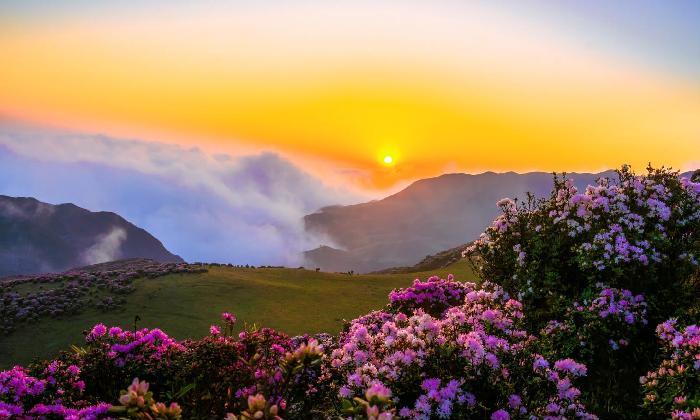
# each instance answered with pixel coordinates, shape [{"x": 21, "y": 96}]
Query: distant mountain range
[
  {"x": 428, "y": 217},
  {"x": 37, "y": 237}
]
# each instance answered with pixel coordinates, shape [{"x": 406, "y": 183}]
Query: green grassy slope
[{"x": 184, "y": 305}]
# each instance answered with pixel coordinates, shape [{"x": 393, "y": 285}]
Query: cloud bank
[{"x": 244, "y": 210}]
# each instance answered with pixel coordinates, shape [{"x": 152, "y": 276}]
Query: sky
[{"x": 336, "y": 87}]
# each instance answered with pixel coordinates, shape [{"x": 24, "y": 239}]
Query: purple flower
[
  {"x": 571, "y": 366},
  {"x": 228, "y": 318},
  {"x": 377, "y": 391},
  {"x": 500, "y": 415},
  {"x": 97, "y": 331}
]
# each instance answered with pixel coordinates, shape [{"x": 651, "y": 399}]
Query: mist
[
  {"x": 106, "y": 248},
  {"x": 242, "y": 210}
]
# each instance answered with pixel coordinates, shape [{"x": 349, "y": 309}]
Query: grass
[{"x": 185, "y": 305}]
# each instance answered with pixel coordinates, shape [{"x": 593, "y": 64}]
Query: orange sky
[{"x": 438, "y": 87}]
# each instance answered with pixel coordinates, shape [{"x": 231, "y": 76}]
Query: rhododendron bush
[
  {"x": 472, "y": 360},
  {"x": 606, "y": 332},
  {"x": 639, "y": 232},
  {"x": 673, "y": 389},
  {"x": 599, "y": 269}
]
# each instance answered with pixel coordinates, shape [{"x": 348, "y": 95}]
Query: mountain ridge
[
  {"x": 427, "y": 217},
  {"x": 38, "y": 237}
]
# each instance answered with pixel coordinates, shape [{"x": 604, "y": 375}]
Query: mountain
[
  {"x": 37, "y": 237},
  {"x": 434, "y": 262},
  {"x": 428, "y": 217}
]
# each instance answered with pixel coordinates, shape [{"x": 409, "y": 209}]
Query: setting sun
[{"x": 388, "y": 160}]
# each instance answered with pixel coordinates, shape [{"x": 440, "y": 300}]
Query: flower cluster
[
  {"x": 137, "y": 402},
  {"x": 26, "y": 396},
  {"x": 434, "y": 296},
  {"x": 457, "y": 364},
  {"x": 619, "y": 304},
  {"x": 614, "y": 313},
  {"x": 16, "y": 384},
  {"x": 376, "y": 404},
  {"x": 229, "y": 320},
  {"x": 258, "y": 409},
  {"x": 124, "y": 346},
  {"x": 673, "y": 389},
  {"x": 612, "y": 231}
]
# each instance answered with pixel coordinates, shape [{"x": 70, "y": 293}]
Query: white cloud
[{"x": 211, "y": 208}]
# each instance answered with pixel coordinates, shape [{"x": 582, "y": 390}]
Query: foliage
[
  {"x": 636, "y": 235},
  {"x": 605, "y": 332},
  {"x": 639, "y": 232},
  {"x": 673, "y": 389},
  {"x": 474, "y": 360}
]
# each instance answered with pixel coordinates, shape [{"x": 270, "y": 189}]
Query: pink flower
[
  {"x": 500, "y": 415},
  {"x": 97, "y": 331},
  {"x": 228, "y": 318}
]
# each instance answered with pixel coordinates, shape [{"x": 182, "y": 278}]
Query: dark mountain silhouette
[
  {"x": 429, "y": 216},
  {"x": 37, "y": 237}
]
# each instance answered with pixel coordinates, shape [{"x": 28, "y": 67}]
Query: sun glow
[{"x": 354, "y": 96}]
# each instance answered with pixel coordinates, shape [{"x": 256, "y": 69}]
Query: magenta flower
[
  {"x": 228, "y": 318},
  {"x": 97, "y": 331}
]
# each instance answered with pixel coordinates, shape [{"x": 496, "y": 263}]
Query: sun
[{"x": 388, "y": 160}]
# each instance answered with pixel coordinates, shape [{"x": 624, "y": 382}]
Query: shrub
[
  {"x": 209, "y": 377},
  {"x": 639, "y": 232},
  {"x": 58, "y": 394},
  {"x": 604, "y": 332},
  {"x": 475, "y": 360},
  {"x": 434, "y": 296},
  {"x": 673, "y": 389}
]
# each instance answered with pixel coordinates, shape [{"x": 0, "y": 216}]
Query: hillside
[
  {"x": 430, "y": 263},
  {"x": 37, "y": 237},
  {"x": 291, "y": 300},
  {"x": 429, "y": 216}
]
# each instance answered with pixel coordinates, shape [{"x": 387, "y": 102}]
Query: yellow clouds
[{"x": 433, "y": 85}]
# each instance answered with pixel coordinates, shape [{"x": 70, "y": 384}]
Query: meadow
[{"x": 290, "y": 300}]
